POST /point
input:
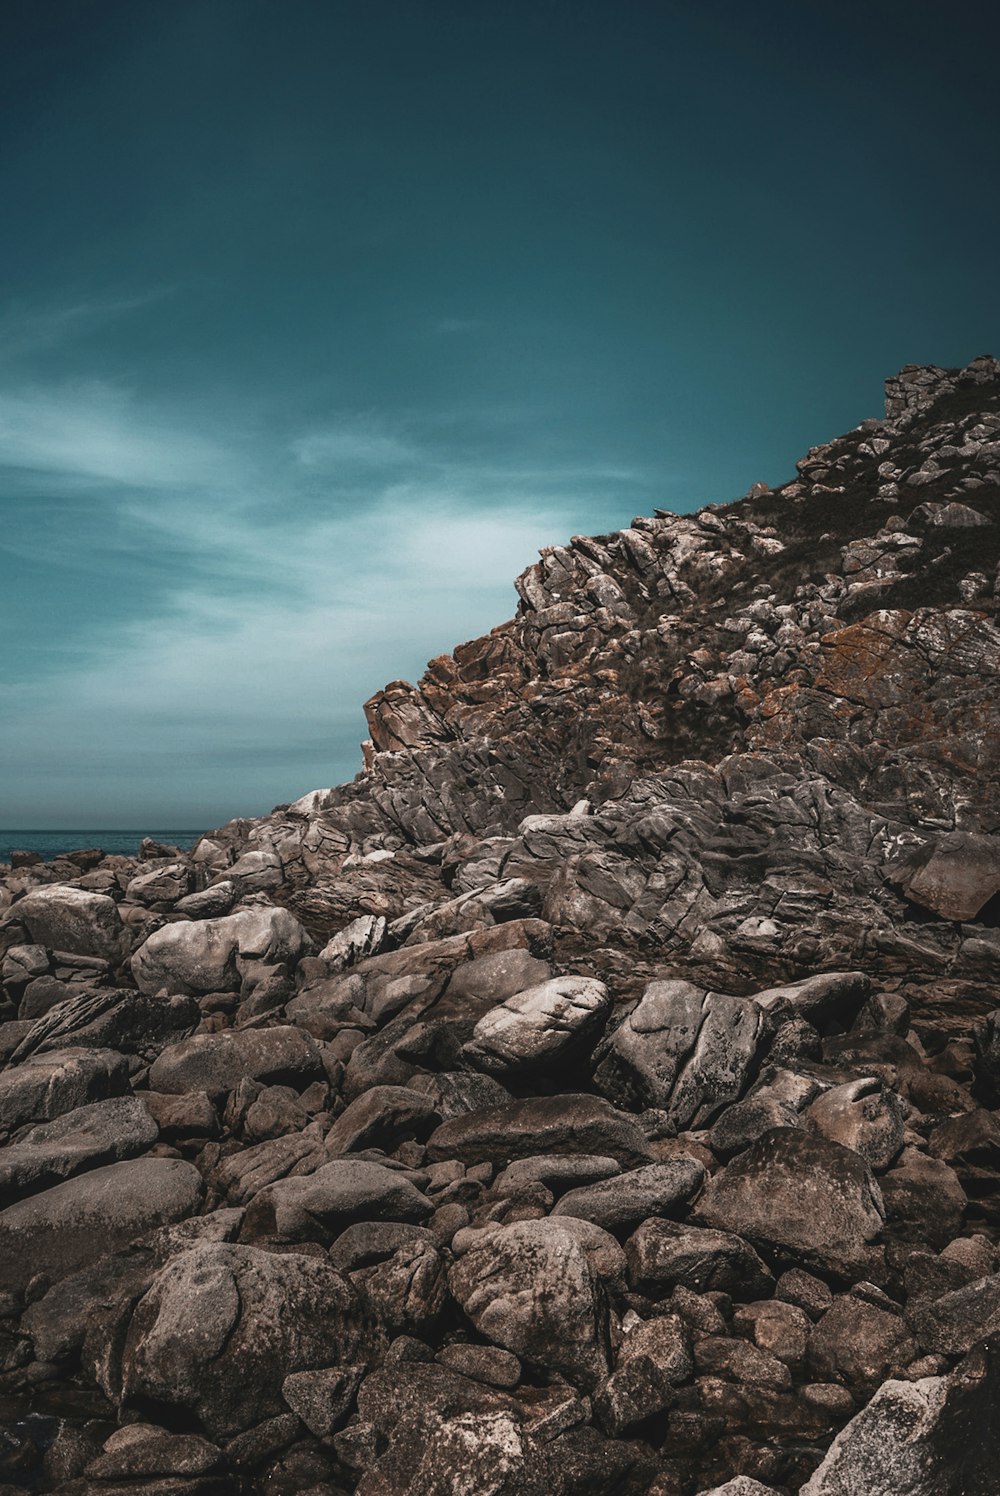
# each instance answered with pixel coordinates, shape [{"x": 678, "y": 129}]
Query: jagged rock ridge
[{"x": 599, "y": 1093}]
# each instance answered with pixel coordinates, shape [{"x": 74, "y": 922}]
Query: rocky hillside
[{"x": 600, "y": 1093}]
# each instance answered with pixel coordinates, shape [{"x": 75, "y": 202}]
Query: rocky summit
[{"x": 601, "y": 1093}]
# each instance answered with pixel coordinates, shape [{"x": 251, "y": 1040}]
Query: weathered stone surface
[
  {"x": 222, "y": 1326},
  {"x": 382, "y": 1117},
  {"x": 538, "y": 1027},
  {"x": 862, "y": 1115},
  {"x": 800, "y": 1194},
  {"x": 62, "y": 1229},
  {"x": 211, "y": 955},
  {"x": 102, "y": 1133},
  {"x": 322, "y": 1398},
  {"x": 662, "y": 1254},
  {"x": 620, "y": 1203},
  {"x": 140, "y": 1451},
  {"x": 860, "y": 1344},
  {"x": 46, "y": 1086},
  {"x": 73, "y": 919},
  {"x": 558, "y": 1124},
  {"x": 216, "y": 1063},
  {"x": 960, "y": 875},
  {"x": 741, "y": 1485},
  {"x": 316, "y": 1206},
  {"x": 932, "y": 1437},
  {"x": 923, "y": 1199},
  {"x": 681, "y": 1049},
  {"x": 532, "y": 1289}
]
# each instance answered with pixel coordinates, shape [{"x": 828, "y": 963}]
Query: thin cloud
[
  {"x": 96, "y": 431},
  {"x": 27, "y": 330},
  {"x": 353, "y": 442}
]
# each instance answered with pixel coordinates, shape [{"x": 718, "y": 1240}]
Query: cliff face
[
  {"x": 778, "y": 711},
  {"x": 600, "y": 1094}
]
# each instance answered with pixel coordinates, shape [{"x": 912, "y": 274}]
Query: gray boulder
[
  {"x": 620, "y": 1203},
  {"x": 46, "y": 1086},
  {"x": 665, "y": 1254},
  {"x": 570, "y": 1123},
  {"x": 533, "y": 1289},
  {"x": 102, "y": 1133},
  {"x": 863, "y": 1115},
  {"x": 212, "y": 955},
  {"x": 223, "y": 1326},
  {"x": 802, "y": 1195},
  {"x": 64, "y": 918},
  {"x": 953, "y": 876},
  {"x": 382, "y": 1117},
  {"x": 684, "y": 1050},
  {"x": 314, "y": 1207},
  {"x": 64, "y": 1228},
  {"x": 216, "y": 1063},
  {"x": 538, "y": 1027},
  {"x": 934, "y": 1437}
]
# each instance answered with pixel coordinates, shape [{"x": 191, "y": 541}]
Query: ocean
[{"x": 54, "y": 843}]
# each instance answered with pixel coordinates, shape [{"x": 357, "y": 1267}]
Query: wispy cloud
[
  {"x": 354, "y": 442},
  {"x": 26, "y": 329},
  {"x": 94, "y": 431},
  {"x": 296, "y": 577}
]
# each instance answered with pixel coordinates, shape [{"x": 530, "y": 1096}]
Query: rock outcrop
[{"x": 601, "y": 1093}]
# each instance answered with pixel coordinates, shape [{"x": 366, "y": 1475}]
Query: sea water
[{"x": 51, "y": 844}]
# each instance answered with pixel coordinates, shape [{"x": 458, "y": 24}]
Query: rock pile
[{"x": 601, "y": 1094}]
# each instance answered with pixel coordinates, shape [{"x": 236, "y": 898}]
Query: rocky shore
[{"x": 601, "y": 1093}]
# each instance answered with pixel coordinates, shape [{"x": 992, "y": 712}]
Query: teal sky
[{"x": 318, "y": 318}]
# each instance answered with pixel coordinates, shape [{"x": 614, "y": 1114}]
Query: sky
[{"x": 319, "y": 317}]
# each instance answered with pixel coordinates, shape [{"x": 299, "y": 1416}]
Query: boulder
[
  {"x": 454, "y": 1093},
  {"x": 923, "y": 1198},
  {"x": 498, "y": 976},
  {"x": 830, "y": 999},
  {"x": 682, "y": 1049},
  {"x": 538, "y": 1027},
  {"x": 64, "y": 1228},
  {"x": 492, "y": 1454},
  {"x": 620, "y": 1203},
  {"x": 211, "y": 955},
  {"x": 863, "y": 1115},
  {"x": 382, "y": 1118},
  {"x": 63, "y": 918},
  {"x": 110, "y": 1018},
  {"x": 532, "y": 1288},
  {"x": 934, "y": 1437},
  {"x": 46, "y": 1086},
  {"x": 162, "y": 885},
  {"x": 859, "y": 1343},
  {"x": 663, "y": 1254},
  {"x": 569, "y": 1123},
  {"x": 951, "y": 1324},
  {"x": 954, "y": 876},
  {"x": 315, "y": 1207},
  {"x": 741, "y": 1485},
  {"x": 216, "y": 1063},
  {"x": 322, "y": 1398},
  {"x": 558, "y": 1172},
  {"x": 102, "y": 1133},
  {"x": 800, "y": 1195},
  {"x": 222, "y": 1327},
  {"x": 140, "y": 1452}
]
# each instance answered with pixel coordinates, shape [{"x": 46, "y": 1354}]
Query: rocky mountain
[{"x": 601, "y": 1093}]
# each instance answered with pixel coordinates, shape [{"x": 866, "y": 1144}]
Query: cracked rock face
[{"x": 601, "y": 1092}]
